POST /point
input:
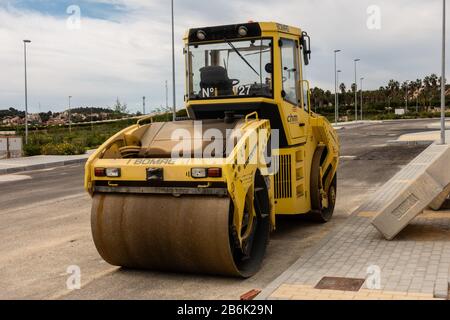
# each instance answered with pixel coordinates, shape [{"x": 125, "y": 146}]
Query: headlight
[
  {"x": 198, "y": 172},
  {"x": 201, "y": 35},
  {"x": 243, "y": 31},
  {"x": 113, "y": 172}
]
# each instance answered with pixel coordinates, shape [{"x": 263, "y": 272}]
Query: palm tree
[
  {"x": 434, "y": 87},
  {"x": 393, "y": 89},
  {"x": 427, "y": 89},
  {"x": 317, "y": 96},
  {"x": 405, "y": 90},
  {"x": 343, "y": 93}
]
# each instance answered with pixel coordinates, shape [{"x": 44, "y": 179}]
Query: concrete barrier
[
  {"x": 10, "y": 146},
  {"x": 422, "y": 182},
  {"x": 439, "y": 201}
]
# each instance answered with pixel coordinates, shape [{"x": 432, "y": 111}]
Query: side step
[{"x": 423, "y": 182}]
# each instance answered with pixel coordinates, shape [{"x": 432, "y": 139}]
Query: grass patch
[{"x": 58, "y": 140}]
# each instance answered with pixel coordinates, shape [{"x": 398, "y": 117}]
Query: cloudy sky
[{"x": 122, "y": 48}]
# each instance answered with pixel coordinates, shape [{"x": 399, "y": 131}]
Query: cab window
[
  {"x": 241, "y": 68},
  {"x": 290, "y": 70}
]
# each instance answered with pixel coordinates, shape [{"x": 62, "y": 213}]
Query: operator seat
[{"x": 213, "y": 77}]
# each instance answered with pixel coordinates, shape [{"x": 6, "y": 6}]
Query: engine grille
[{"x": 283, "y": 185}]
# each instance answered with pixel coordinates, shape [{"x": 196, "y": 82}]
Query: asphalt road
[{"x": 45, "y": 228}]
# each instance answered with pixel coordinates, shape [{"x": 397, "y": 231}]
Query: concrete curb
[
  {"x": 42, "y": 166},
  {"x": 410, "y": 143}
]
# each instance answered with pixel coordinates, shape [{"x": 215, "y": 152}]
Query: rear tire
[{"x": 318, "y": 212}]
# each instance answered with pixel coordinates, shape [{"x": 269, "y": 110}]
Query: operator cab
[
  {"x": 231, "y": 69},
  {"x": 249, "y": 67}
]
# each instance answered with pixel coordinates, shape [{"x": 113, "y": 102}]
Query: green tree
[{"x": 120, "y": 108}]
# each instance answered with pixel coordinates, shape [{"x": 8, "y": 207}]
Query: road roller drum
[{"x": 188, "y": 233}]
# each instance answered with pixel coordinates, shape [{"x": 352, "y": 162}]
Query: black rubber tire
[
  {"x": 249, "y": 265},
  {"x": 318, "y": 213}
]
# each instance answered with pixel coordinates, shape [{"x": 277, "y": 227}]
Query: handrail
[
  {"x": 144, "y": 119},
  {"x": 247, "y": 117},
  {"x": 308, "y": 96}
]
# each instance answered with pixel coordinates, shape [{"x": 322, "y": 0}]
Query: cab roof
[{"x": 254, "y": 29}]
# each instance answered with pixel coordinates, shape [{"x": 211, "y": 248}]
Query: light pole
[
  {"x": 335, "y": 87},
  {"x": 337, "y": 94},
  {"x": 143, "y": 105},
  {"x": 70, "y": 118},
  {"x": 25, "y": 42},
  {"x": 167, "y": 96},
  {"x": 443, "y": 76},
  {"x": 406, "y": 96},
  {"x": 361, "y": 89},
  {"x": 173, "y": 66},
  {"x": 356, "y": 92}
]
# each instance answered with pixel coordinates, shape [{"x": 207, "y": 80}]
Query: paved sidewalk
[
  {"x": 305, "y": 292},
  {"x": 415, "y": 264},
  {"x": 437, "y": 125},
  {"x": 15, "y": 165},
  {"x": 421, "y": 137}
]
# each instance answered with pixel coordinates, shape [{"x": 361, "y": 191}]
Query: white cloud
[{"x": 131, "y": 57}]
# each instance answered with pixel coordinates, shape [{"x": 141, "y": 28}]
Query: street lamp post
[
  {"x": 173, "y": 65},
  {"x": 25, "y": 42},
  {"x": 167, "y": 96},
  {"x": 335, "y": 87},
  {"x": 443, "y": 76},
  {"x": 337, "y": 94},
  {"x": 70, "y": 118},
  {"x": 406, "y": 96},
  {"x": 143, "y": 105},
  {"x": 356, "y": 92},
  {"x": 361, "y": 89}
]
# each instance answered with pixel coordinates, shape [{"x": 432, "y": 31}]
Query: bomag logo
[
  {"x": 282, "y": 27},
  {"x": 153, "y": 161},
  {"x": 292, "y": 118}
]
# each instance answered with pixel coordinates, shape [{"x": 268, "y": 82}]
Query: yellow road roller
[{"x": 202, "y": 194}]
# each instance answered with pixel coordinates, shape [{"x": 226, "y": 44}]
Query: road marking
[
  {"x": 379, "y": 145},
  {"x": 41, "y": 170},
  {"x": 348, "y": 157},
  {"x": 45, "y": 203},
  {"x": 13, "y": 178}
]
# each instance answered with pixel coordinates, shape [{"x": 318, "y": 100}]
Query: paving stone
[{"x": 407, "y": 266}]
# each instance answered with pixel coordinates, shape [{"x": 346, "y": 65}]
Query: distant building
[
  {"x": 34, "y": 118},
  {"x": 56, "y": 122},
  {"x": 13, "y": 121}
]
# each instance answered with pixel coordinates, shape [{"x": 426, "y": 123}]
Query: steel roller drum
[{"x": 162, "y": 232}]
